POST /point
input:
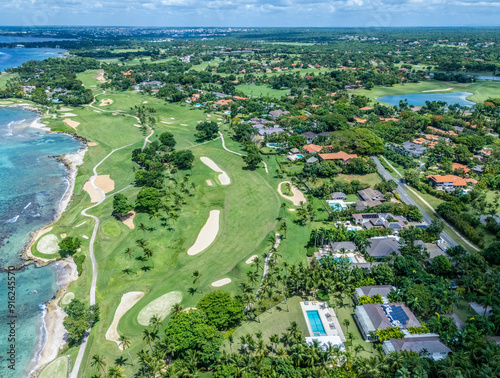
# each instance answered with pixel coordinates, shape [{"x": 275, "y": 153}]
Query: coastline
[{"x": 51, "y": 335}]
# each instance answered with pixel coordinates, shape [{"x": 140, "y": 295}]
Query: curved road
[{"x": 401, "y": 190}]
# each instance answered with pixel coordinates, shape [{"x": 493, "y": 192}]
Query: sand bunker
[
  {"x": 222, "y": 282},
  {"x": 207, "y": 234},
  {"x": 144, "y": 102},
  {"x": 297, "y": 197},
  {"x": 71, "y": 123},
  {"x": 92, "y": 144},
  {"x": 48, "y": 244},
  {"x": 160, "y": 307},
  {"x": 63, "y": 236},
  {"x": 137, "y": 125},
  {"x": 95, "y": 195},
  {"x": 438, "y": 90},
  {"x": 114, "y": 114},
  {"x": 67, "y": 298},
  {"x": 250, "y": 260},
  {"x": 104, "y": 183},
  {"x": 189, "y": 308},
  {"x": 68, "y": 115},
  {"x": 106, "y": 102},
  {"x": 127, "y": 302},
  {"x": 128, "y": 219},
  {"x": 209, "y": 183},
  {"x": 184, "y": 124},
  {"x": 223, "y": 177},
  {"x": 167, "y": 123}
]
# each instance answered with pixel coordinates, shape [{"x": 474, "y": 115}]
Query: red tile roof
[{"x": 341, "y": 155}]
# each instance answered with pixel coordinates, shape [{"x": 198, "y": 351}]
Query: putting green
[
  {"x": 67, "y": 298},
  {"x": 57, "y": 368},
  {"x": 160, "y": 307},
  {"x": 48, "y": 244}
]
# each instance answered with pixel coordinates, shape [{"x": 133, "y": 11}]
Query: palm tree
[
  {"x": 149, "y": 254},
  {"x": 196, "y": 279},
  {"x": 143, "y": 228},
  {"x": 149, "y": 336},
  {"x": 98, "y": 361},
  {"x": 124, "y": 342},
  {"x": 346, "y": 323},
  {"x": 128, "y": 251},
  {"x": 155, "y": 322},
  {"x": 274, "y": 339},
  {"x": 177, "y": 309},
  {"x": 256, "y": 263},
  {"x": 141, "y": 243},
  {"x": 116, "y": 372}
]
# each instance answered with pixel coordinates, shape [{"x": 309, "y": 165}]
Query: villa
[
  {"x": 341, "y": 155},
  {"x": 447, "y": 182},
  {"x": 371, "y": 195},
  {"x": 382, "y": 220},
  {"x": 427, "y": 344},
  {"x": 278, "y": 113},
  {"x": 373, "y": 316},
  {"x": 383, "y": 246},
  {"x": 339, "y": 196}
]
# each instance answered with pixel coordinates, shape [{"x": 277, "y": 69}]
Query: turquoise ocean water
[
  {"x": 17, "y": 56},
  {"x": 420, "y": 99},
  {"x": 32, "y": 185}
]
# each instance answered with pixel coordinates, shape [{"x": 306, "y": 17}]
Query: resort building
[
  {"x": 373, "y": 316},
  {"x": 428, "y": 345},
  {"x": 346, "y": 246},
  {"x": 370, "y": 291},
  {"x": 278, "y": 113},
  {"x": 313, "y": 148},
  {"x": 458, "y": 166},
  {"x": 362, "y": 205}
]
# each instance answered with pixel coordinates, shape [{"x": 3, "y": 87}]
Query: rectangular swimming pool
[{"x": 316, "y": 323}]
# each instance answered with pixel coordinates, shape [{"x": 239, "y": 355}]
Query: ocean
[
  {"x": 17, "y": 56},
  {"x": 32, "y": 185}
]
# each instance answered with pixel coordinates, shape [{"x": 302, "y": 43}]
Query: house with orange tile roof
[
  {"x": 431, "y": 137},
  {"x": 341, "y": 155},
  {"x": 313, "y": 148},
  {"x": 389, "y": 119},
  {"x": 222, "y": 103},
  {"x": 419, "y": 141},
  {"x": 447, "y": 181},
  {"x": 364, "y": 108},
  {"x": 360, "y": 120},
  {"x": 457, "y": 166}
]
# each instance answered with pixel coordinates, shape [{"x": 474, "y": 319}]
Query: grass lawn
[
  {"x": 261, "y": 91},
  {"x": 481, "y": 89},
  {"x": 352, "y": 198},
  {"x": 370, "y": 179},
  {"x": 272, "y": 323}
]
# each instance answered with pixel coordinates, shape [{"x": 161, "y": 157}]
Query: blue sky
[{"x": 284, "y": 13}]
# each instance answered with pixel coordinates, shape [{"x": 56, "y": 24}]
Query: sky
[{"x": 251, "y": 13}]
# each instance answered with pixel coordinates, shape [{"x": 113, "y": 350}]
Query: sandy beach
[{"x": 53, "y": 333}]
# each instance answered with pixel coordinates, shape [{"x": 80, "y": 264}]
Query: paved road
[{"x": 401, "y": 190}]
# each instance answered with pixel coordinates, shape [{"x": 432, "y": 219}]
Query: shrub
[
  {"x": 418, "y": 330},
  {"x": 389, "y": 333}
]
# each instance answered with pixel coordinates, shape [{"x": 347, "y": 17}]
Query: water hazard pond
[{"x": 452, "y": 98}]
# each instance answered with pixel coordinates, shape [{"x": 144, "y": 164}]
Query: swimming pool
[
  {"x": 273, "y": 145},
  {"x": 351, "y": 228},
  {"x": 300, "y": 156},
  {"x": 316, "y": 323},
  {"x": 338, "y": 259},
  {"x": 335, "y": 206}
]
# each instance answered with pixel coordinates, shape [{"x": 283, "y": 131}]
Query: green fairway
[
  {"x": 261, "y": 91},
  {"x": 6, "y": 77}
]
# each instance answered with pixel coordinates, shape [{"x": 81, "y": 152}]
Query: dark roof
[
  {"x": 370, "y": 291},
  {"x": 309, "y": 134},
  {"x": 371, "y": 195},
  {"x": 382, "y": 247},
  {"x": 361, "y": 205},
  {"x": 311, "y": 160},
  {"x": 418, "y": 344},
  {"x": 379, "y": 318},
  {"x": 347, "y": 245},
  {"x": 338, "y": 195}
]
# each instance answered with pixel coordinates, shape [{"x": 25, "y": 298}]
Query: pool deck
[{"x": 328, "y": 318}]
